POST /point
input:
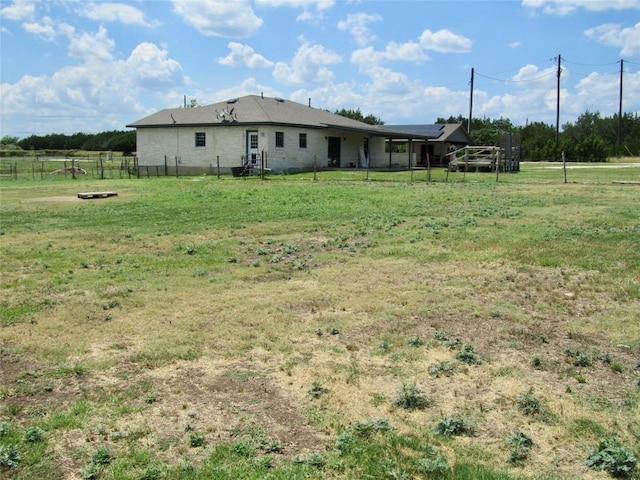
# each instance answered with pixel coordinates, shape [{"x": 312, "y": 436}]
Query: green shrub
[
  {"x": 442, "y": 368},
  {"x": 529, "y": 404},
  {"x": 244, "y": 449},
  {"x": 452, "y": 426},
  {"x": 467, "y": 355},
  {"x": 9, "y": 456},
  {"x": 344, "y": 441},
  {"x": 453, "y": 344},
  {"x": 415, "y": 341},
  {"x": 5, "y": 429},
  {"x": 536, "y": 362},
  {"x": 196, "y": 439},
  {"x": 410, "y": 397},
  {"x": 614, "y": 458},
  {"x": 433, "y": 466},
  {"x": 369, "y": 426},
  {"x": 151, "y": 472},
  {"x": 315, "y": 459},
  {"x": 520, "y": 444},
  {"x": 440, "y": 336},
  {"x": 102, "y": 456},
  {"x": 316, "y": 389},
  {"x": 33, "y": 435},
  {"x": 578, "y": 358}
]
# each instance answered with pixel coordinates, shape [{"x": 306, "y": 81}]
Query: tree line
[
  {"x": 116, "y": 141},
  {"x": 590, "y": 138}
]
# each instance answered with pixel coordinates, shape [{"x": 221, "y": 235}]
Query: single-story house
[
  {"x": 444, "y": 138},
  {"x": 255, "y": 130}
]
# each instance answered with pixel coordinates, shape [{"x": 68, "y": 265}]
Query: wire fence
[{"x": 51, "y": 167}]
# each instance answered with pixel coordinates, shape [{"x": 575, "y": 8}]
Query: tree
[
  {"x": 124, "y": 142},
  {"x": 357, "y": 115},
  {"x": 7, "y": 140},
  {"x": 537, "y": 141}
]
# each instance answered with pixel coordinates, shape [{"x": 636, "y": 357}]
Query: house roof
[
  {"x": 439, "y": 132},
  {"x": 259, "y": 110}
]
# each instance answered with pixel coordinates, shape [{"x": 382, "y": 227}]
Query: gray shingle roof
[{"x": 259, "y": 110}]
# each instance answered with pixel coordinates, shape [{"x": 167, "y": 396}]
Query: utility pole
[
  {"x": 470, "y": 103},
  {"x": 620, "y": 111},
  {"x": 555, "y": 153}
]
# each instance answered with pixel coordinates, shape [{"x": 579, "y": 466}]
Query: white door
[{"x": 253, "y": 155}]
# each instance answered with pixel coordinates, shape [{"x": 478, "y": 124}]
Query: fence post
[
  {"x": 428, "y": 168},
  {"x": 564, "y": 167},
  {"x": 177, "y": 175},
  {"x": 466, "y": 163},
  {"x": 315, "y": 168},
  {"x": 497, "y": 165},
  {"x": 218, "y": 165}
]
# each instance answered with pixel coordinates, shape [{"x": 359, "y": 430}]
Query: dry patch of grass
[{"x": 283, "y": 333}]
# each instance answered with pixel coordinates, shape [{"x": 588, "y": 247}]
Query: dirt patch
[{"x": 225, "y": 403}]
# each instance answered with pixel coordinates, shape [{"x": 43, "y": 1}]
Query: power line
[
  {"x": 590, "y": 64},
  {"x": 526, "y": 80}
]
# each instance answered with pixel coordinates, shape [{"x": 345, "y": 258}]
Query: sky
[{"x": 89, "y": 66}]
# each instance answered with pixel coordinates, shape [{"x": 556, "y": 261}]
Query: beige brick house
[{"x": 285, "y": 135}]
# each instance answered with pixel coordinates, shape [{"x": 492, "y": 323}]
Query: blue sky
[{"x": 87, "y": 66}]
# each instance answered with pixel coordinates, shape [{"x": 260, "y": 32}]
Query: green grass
[{"x": 220, "y": 303}]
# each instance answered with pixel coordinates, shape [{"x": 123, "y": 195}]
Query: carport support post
[
  {"x": 428, "y": 168},
  {"x": 368, "y": 165},
  {"x": 466, "y": 163},
  {"x": 410, "y": 153},
  {"x": 314, "y": 169},
  {"x": 497, "y": 165}
]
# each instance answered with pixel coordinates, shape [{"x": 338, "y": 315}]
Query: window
[
  {"x": 303, "y": 140},
  {"x": 201, "y": 139},
  {"x": 279, "y": 139}
]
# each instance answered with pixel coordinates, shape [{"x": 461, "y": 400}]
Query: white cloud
[
  {"x": 357, "y": 25},
  {"x": 313, "y": 10},
  {"x": 515, "y": 44},
  {"x": 566, "y": 7},
  {"x": 151, "y": 67},
  {"x": 110, "y": 12},
  {"x": 19, "y": 10},
  {"x": 531, "y": 76},
  {"x": 45, "y": 28},
  {"x": 214, "y": 18},
  {"x": 94, "y": 95},
  {"x": 613, "y": 35},
  {"x": 309, "y": 65},
  {"x": 244, "y": 56},
  {"x": 406, "y": 52},
  {"x": 92, "y": 47},
  {"x": 445, "y": 41}
]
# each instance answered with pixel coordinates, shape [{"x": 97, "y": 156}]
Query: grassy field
[{"x": 343, "y": 327}]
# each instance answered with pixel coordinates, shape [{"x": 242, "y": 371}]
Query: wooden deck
[{"x": 88, "y": 195}]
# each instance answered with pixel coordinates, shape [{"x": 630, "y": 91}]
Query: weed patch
[{"x": 614, "y": 458}]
